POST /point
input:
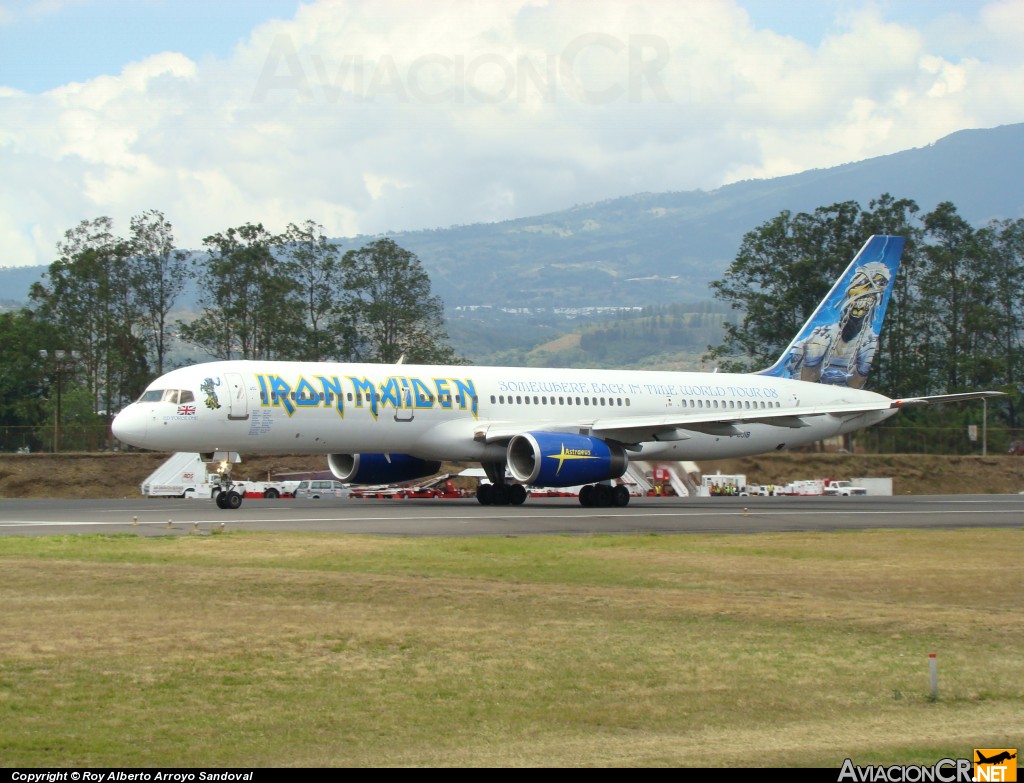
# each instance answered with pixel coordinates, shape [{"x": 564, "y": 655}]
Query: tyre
[
  {"x": 516, "y": 494},
  {"x": 271, "y": 494},
  {"x": 602, "y": 495},
  {"x": 232, "y": 501},
  {"x": 485, "y": 494},
  {"x": 499, "y": 496},
  {"x": 587, "y": 496},
  {"x": 620, "y": 496}
]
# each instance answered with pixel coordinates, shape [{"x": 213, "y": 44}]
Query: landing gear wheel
[
  {"x": 500, "y": 496},
  {"x": 485, "y": 494},
  {"x": 587, "y": 496},
  {"x": 220, "y": 499},
  {"x": 620, "y": 496},
  {"x": 602, "y": 495},
  {"x": 232, "y": 501},
  {"x": 516, "y": 494}
]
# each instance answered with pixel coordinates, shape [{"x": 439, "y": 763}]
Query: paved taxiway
[{"x": 159, "y": 517}]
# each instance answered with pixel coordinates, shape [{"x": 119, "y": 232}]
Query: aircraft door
[
  {"x": 238, "y": 398},
  {"x": 405, "y": 413}
]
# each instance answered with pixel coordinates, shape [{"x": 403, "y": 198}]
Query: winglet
[{"x": 837, "y": 345}]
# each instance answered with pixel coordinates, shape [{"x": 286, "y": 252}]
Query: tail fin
[{"x": 838, "y": 343}]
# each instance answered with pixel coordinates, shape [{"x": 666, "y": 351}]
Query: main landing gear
[
  {"x": 498, "y": 493},
  {"x": 501, "y": 494},
  {"x": 604, "y": 496}
]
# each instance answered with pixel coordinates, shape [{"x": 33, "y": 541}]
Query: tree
[
  {"x": 250, "y": 306},
  {"x": 316, "y": 264},
  {"x": 160, "y": 273},
  {"x": 24, "y": 381},
  {"x": 956, "y": 290},
  {"x": 89, "y": 298},
  {"x": 1006, "y": 242},
  {"x": 393, "y": 311}
]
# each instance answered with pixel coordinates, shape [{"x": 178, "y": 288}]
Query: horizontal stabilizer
[{"x": 938, "y": 399}]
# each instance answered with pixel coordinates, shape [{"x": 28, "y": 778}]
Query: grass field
[{"x": 321, "y": 650}]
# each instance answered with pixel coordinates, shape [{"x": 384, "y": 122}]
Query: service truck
[{"x": 843, "y": 488}]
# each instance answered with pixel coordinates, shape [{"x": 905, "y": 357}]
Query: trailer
[
  {"x": 806, "y": 488},
  {"x": 270, "y": 489},
  {"x": 440, "y": 487},
  {"x": 722, "y": 484}
]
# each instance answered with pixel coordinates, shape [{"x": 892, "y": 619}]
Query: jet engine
[
  {"x": 379, "y": 468},
  {"x": 557, "y": 459}
]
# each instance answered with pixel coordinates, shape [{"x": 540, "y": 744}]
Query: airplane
[
  {"x": 996, "y": 759},
  {"x": 384, "y": 423}
]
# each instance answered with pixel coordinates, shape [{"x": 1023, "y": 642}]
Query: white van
[{"x": 321, "y": 488}]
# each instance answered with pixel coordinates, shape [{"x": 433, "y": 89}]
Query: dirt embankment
[{"x": 119, "y": 475}]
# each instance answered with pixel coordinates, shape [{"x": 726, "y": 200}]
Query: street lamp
[{"x": 62, "y": 360}]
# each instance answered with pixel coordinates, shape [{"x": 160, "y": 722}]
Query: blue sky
[
  {"x": 46, "y": 44},
  {"x": 375, "y": 116}
]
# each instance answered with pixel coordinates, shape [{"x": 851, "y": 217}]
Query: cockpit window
[{"x": 174, "y": 396}]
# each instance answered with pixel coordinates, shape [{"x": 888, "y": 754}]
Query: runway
[{"x": 466, "y": 517}]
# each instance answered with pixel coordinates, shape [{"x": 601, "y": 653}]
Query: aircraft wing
[{"x": 675, "y": 425}]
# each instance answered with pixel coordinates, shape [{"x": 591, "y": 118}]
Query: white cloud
[{"x": 369, "y": 117}]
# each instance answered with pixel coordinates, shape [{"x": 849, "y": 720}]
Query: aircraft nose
[{"x": 129, "y": 426}]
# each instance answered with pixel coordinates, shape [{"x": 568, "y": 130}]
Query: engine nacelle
[
  {"x": 558, "y": 459},
  {"x": 380, "y": 468}
]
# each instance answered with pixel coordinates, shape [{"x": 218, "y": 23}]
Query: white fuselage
[{"x": 468, "y": 413}]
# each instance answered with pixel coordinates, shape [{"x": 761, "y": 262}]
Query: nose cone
[{"x": 129, "y": 426}]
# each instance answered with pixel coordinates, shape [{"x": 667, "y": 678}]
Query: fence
[{"x": 73, "y": 437}]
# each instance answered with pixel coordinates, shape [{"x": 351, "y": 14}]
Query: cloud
[{"x": 369, "y": 117}]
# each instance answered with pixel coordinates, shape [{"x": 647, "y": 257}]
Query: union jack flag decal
[{"x": 186, "y": 410}]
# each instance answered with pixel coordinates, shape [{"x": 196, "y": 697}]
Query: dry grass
[{"x": 320, "y": 650}]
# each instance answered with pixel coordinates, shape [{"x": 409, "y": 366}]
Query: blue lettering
[
  {"x": 364, "y": 390},
  {"x": 305, "y": 395},
  {"x": 467, "y": 390},
  {"x": 280, "y": 393},
  {"x": 331, "y": 387},
  {"x": 422, "y": 396},
  {"x": 444, "y": 395},
  {"x": 390, "y": 394}
]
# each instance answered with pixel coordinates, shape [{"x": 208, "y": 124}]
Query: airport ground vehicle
[
  {"x": 315, "y": 489},
  {"x": 843, "y": 488}
]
